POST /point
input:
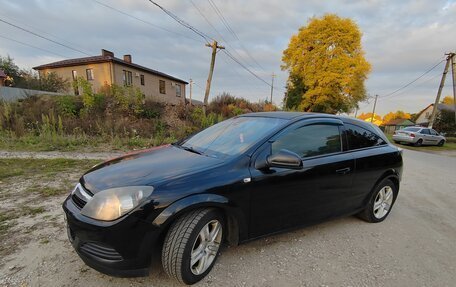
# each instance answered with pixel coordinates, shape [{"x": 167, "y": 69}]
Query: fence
[{"x": 9, "y": 94}]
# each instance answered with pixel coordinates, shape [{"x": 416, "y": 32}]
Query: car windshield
[
  {"x": 231, "y": 137},
  {"x": 411, "y": 129}
]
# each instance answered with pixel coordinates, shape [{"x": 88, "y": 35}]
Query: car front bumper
[{"x": 122, "y": 248}]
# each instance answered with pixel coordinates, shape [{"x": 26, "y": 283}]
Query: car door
[
  {"x": 283, "y": 198},
  {"x": 436, "y": 138},
  {"x": 427, "y": 137}
]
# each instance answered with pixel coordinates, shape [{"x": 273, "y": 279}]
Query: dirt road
[{"x": 415, "y": 246}]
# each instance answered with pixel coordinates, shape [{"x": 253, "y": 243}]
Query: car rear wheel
[
  {"x": 381, "y": 202},
  {"x": 441, "y": 143},
  {"x": 192, "y": 245},
  {"x": 419, "y": 142}
]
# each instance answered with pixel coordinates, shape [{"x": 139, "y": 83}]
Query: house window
[
  {"x": 75, "y": 82},
  {"x": 178, "y": 90},
  {"x": 162, "y": 87},
  {"x": 127, "y": 78},
  {"x": 89, "y": 74},
  {"x": 142, "y": 80}
]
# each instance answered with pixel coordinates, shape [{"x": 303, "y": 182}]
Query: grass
[
  {"x": 47, "y": 191},
  {"x": 55, "y": 142},
  {"x": 450, "y": 145},
  {"x": 10, "y": 168}
]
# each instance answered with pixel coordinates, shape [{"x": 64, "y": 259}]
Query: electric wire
[
  {"x": 228, "y": 27},
  {"x": 410, "y": 83},
  {"x": 31, "y": 46},
  {"x": 143, "y": 21},
  {"x": 43, "y": 32},
  {"x": 43, "y": 37},
  {"x": 182, "y": 22}
]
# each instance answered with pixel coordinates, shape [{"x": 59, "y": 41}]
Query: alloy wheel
[
  {"x": 383, "y": 202},
  {"x": 205, "y": 247}
]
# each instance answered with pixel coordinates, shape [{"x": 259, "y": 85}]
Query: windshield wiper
[{"x": 190, "y": 149}]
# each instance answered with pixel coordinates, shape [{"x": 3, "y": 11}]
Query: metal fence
[{"x": 9, "y": 94}]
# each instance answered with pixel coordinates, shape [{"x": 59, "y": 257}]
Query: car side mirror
[{"x": 285, "y": 159}]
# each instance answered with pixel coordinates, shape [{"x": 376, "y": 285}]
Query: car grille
[
  {"x": 80, "y": 203},
  {"x": 80, "y": 196},
  {"x": 100, "y": 251}
]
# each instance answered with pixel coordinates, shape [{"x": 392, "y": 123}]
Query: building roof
[
  {"x": 104, "y": 59},
  {"x": 2, "y": 74},
  {"x": 399, "y": 122},
  {"x": 440, "y": 107}
]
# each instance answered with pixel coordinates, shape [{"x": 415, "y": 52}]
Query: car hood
[{"x": 147, "y": 167}]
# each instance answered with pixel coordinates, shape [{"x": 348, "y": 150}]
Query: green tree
[
  {"x": 328, "y": 57},
  {"x": 10, "y": 68},
  {"x": 295, "y": 92}
]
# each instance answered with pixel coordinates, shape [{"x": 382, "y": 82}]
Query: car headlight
[{"x": 111, "y": 204}]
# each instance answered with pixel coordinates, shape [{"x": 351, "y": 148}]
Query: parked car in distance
[
  {"x": 240, "y": 179},
  {"x": 418, "y": 136}
]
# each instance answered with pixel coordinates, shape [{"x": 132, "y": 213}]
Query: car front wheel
[
  {"x": 192, "y": 245},
  {"x": 381, "y": 202}
]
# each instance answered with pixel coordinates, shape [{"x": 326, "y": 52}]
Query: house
[
  {"x": 2, "y": 78},
  {"x": 108, "y": 70},
  {"x": 397, "y": 124},
  {"x": 424, "y": 115}
]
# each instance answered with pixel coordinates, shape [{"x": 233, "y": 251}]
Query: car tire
[
  {"x": 380, "y": 203},
  {"x": 419, "y": 142},
  {"x": 188, "y": 234},
  {"x": 441, "y": 143}
]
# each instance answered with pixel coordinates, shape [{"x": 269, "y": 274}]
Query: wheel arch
[
  {"x": 391, "y": 174},
  {"x": 235, "y": 220}
]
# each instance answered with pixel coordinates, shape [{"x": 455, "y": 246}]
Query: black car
[{"x": 241, "y": 179}]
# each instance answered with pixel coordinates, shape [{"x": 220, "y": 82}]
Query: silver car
[{"x": 419, "y": 136}]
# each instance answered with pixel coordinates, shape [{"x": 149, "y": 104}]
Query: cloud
[{"x": 401, "y": 39}]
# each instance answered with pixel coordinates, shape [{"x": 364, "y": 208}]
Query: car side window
[
  {"x": 425, "y": 132},
  {"x": 434, "y": 133},
  {"x": 359, "y": 137},
  {"x": 310, "y": 140}
]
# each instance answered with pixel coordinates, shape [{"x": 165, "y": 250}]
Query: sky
[{"x": 401, "y": 39}]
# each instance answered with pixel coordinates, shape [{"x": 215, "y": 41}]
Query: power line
[
  {"x": 206, "y": 37},
  {"x": 31, "y": 46},
  {"x": 143, "y": 21},
  {"x": 182, "y": 22},
  {"x": 43, "y": 32},
  {"x": 215, "y": 29},
  {"x": 228, "y": 27},
  {"x": 410, "y": 83},
  {"x": 45, "y": 38}
]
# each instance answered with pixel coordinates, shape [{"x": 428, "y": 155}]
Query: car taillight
[{"x": 412, "y": 135}]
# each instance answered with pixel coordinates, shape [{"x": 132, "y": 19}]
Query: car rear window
[
  {"x": 359, "y": 137},
  {"x": 411, "y": 129}
]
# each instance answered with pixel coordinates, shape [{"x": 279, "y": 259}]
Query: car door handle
[{"x": 343, "y": 170}]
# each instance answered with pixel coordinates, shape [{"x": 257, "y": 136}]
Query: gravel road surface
[{"x": 415, "y": 246}]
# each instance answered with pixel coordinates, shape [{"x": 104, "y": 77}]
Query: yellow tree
[
  {"x": 328, "y": 58},
  {"x": 448, "y": 100},
  {"x": 396, "y": 115}
]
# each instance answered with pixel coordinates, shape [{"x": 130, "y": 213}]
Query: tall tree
[{"x": 327, "y": 56}]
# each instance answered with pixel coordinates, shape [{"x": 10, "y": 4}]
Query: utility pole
[
  {"x": 191, "y": 90},
  {"x": 453, "y": 68},
  {"x": 373, "y": 110},
  {"x": 439, "y": 92},
  {"x": 272, "y": 86},
  {"x": 214, "y": 47}
]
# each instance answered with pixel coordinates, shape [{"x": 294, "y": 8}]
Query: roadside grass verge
[
  {"x": 450, "y": 145},
  {"x": 10, "y": 168},
  {"x": 56, "y": 142},
  {"x": 25, "y": 186}
]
